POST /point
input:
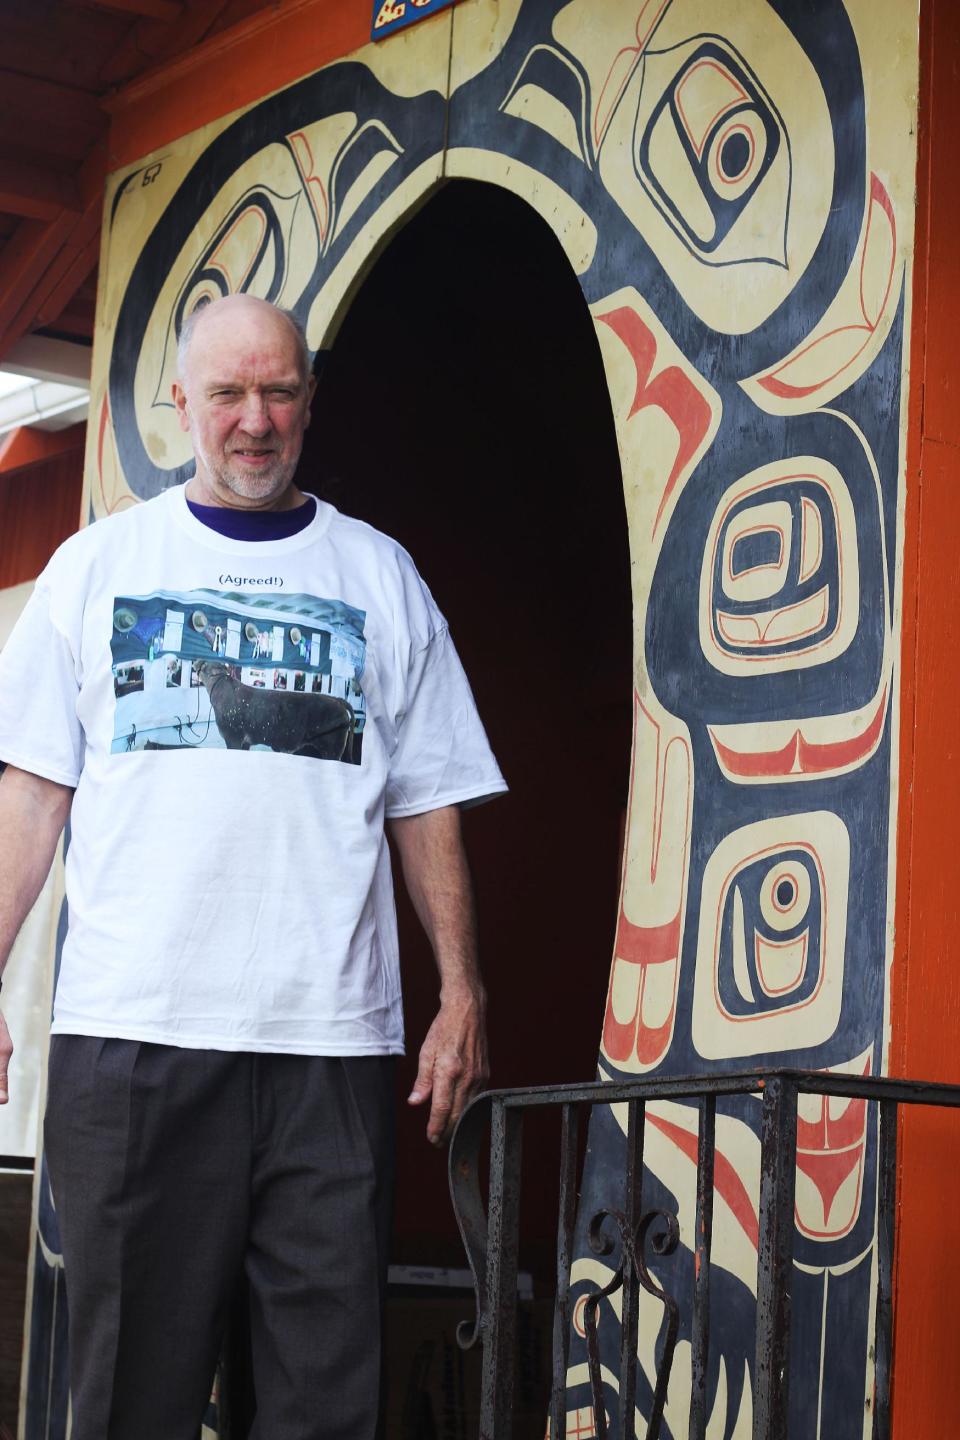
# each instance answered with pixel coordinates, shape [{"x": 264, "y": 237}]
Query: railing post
[
  {"x": 569, "y": 1130},
  {"x": 778, "y": 1158},
  {"x": 886, "y": 1226},
  {"x": 499, "y": 1342},
  {"x": 630, "y": 1295},
  {"x": 700, "y": 1343}
]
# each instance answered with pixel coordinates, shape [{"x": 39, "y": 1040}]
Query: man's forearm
[
  {"x": 33, "y": 813},
  {"x": 437, "y": 878},
  {"x": 453, "y": 1057}
]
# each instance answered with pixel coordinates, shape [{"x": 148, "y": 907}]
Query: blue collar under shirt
[{"x": 255, "y": 524}]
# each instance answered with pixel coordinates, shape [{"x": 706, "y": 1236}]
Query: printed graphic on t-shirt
[{"x": 238, "y": 671}]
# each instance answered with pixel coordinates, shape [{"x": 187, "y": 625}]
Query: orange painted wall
[{"x": 926, "y": 986}]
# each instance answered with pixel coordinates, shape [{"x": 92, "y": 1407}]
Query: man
[{"x": 228, "y": 1002}]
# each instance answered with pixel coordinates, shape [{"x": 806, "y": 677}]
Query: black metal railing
[{"x": 491, "y": 1237}]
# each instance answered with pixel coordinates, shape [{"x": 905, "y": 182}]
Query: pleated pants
[{"x": 174, "y": 1172}]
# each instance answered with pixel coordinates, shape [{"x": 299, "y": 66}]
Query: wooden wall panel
[{"x": 39, "y": 508}]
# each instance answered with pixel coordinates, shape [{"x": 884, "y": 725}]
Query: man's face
[{"x": 245, "y": 403}]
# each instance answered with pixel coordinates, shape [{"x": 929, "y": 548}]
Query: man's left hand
[{"x": 453, "y": 1060}]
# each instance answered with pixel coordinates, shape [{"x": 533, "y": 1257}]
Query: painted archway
[{"x": 734, "y": 193}]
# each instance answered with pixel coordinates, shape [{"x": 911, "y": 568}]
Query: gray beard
[{"x": 269, "y": 485}]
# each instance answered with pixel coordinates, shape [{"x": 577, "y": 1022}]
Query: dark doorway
[{"x": 463, "y": 409}]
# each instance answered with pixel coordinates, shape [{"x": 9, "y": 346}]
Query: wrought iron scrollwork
[
  {"x": 464, "y": 1173},
  {"x": 490, "y": 1236},
  {"x": 633, "y": 1242}
]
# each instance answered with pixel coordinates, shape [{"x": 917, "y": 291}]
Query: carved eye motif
[
  {"x": 772, "y": 937},
  {"x": 713, "y": 147},
  {"x": 780, "y": 578}
]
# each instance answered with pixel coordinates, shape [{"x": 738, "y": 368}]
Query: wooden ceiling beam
[
  {"x": 44, "y": 265},
  {"x": 150, "y": 43},
  {"x": 30, "y": 250},
  {"x": 35, "y": 193},
  {"x": 55, "y": 285},
  {"x": 77, "y": 268},
  {"x": 43, "y": 112},
  {"x": 169, "y": 11}
]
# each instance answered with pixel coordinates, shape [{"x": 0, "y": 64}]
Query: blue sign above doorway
[{"x": 390, "y": 15}]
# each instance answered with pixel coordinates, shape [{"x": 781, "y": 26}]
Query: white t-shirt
[{"x": 237, "y": 718}]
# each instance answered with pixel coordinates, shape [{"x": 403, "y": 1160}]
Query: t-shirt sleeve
[
  {"x": 442, "y": 755},
  {"x": 39, "y": 727}
]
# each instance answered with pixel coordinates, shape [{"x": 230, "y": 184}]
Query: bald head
[
  {"x": 235, "y": 308},
  {"x": 243, "y": 393}
]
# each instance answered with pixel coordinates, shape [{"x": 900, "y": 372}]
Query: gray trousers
[{"x": 174, "y": 1172}]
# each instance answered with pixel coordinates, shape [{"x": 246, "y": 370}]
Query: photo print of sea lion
[{"x": 201, "y": 669}]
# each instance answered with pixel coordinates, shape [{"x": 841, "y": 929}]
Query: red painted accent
[
  {"x": 826, "y": 1134},
  {"x": 653, "y": 1040},
  {"x": 828, "y": 1169},
  {"x": 763, "y": 946},
  {"x": 786, "y": 391},
  {"x": 802, "y": 757},
  {"x": 647, "y": 944},
  {"x": 101, "y": 438},
  {"x": 806, "y": 507},
  {"x": 727, "y": 1182},
  {"x": 878, "y": 196},
  {"x": 759, "y": 763},
  {"x": 641, "y": 945},
  {"x": 303, "y": 155},
  {"x": 672, "y": 391},
  {"x": 621, "y": 68},
  {"x": 618, "y": 75},
  {"x": 829, "y": 1151},
  {"x": 763, "y": 620}
]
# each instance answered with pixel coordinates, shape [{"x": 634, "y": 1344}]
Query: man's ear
[{"x": 180, "y": 404}]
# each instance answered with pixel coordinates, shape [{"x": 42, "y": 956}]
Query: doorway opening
[{"x": 463, "y": 409}]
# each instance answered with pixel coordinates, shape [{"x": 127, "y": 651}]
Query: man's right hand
[{"x": 6, "y": 1050}]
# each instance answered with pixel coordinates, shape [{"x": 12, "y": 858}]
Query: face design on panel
[
  {"x": 733, "y": 185},
  {"x": 205, "y": 669}
]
